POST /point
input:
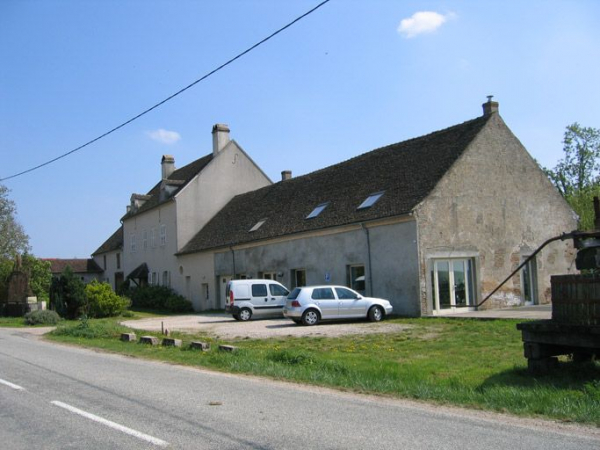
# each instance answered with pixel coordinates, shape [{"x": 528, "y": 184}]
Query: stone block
[
  {"x": 170, "y": 342},
  {"x": 228, "y": 348},
  {"x": 149, "y": 340},
  {"x": 128, "y": 337},
  {"x": 204, "y": 346}
]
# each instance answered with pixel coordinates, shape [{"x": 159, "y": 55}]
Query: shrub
[
  {"x": 103, "y": 302},
  {"x": 42, "y": 317},
  {"x": 161, "y": 298},
  {"x": 67, "y": 295}
]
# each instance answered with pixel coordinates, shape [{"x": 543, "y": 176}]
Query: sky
[{"x": 350, "y": 77}]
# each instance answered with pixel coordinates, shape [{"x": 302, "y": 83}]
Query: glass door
[{"x": 452, "y": 281}]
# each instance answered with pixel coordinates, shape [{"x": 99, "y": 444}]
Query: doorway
[{"x": 452, "y": 284}]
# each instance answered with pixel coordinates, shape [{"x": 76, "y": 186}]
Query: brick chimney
[
  {"x": 490, "y": 107},
  {"x": 286, "y": 175},
  {"x": 220, "y": 134},
  {"x": 167, "y": 166}
]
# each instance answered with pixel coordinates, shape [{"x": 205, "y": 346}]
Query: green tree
[
  {"x": 67, "y": 295},
  {"x": 12, "y": 236},
  {"x": 40, "y": 276},
  {"x": 577, "y": 175}
]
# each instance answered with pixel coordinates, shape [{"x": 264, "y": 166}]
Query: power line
[{"x": 248, "y": 50}]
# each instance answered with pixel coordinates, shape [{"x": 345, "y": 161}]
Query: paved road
[{"x": 58, "y": 397}]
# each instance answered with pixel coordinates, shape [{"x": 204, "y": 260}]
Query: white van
[{"x": 260, "y": 298}]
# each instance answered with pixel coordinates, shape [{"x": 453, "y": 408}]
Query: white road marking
[
  {"x": 16, "y": 387},
  {"x": 113, "y": 425}
]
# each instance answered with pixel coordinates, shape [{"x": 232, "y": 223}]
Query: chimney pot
[
  {"x": 220, "y": 134},
  {"x": 286, "y": 175},
  {"x": 167, "y": 166},
  {"x": 490, "y": 106}
]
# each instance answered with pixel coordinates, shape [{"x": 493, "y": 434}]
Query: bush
[
  {"x": 42, "y": 317},
  {"x": 103, "y": 302},
  {"x": 160, "y": 298},
  {"x": 67, "y": 295}
]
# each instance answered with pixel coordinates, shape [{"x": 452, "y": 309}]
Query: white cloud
[
  {"x": 164, "y": 136},
  {"x": 422, "y": 22}
]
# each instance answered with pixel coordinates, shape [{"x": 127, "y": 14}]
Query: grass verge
[{"x": 475, "y": 364}]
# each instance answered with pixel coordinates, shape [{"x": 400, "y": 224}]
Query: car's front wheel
[
  {"x": 310, "y": 317},
  {"x": 376, "y": 314},
  {"x": 245, "y": 314}
]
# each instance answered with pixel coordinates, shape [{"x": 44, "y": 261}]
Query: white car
[{"x": 310, "y": 304}]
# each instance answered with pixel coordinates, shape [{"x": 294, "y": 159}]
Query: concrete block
[
  {"x": 170, "y": 342},
  {"x": 204, "y": 346},
  {"x": 128, "y": 337},
  {"x": 149, "y": 340},
  {"x": 228, "y": 348}
]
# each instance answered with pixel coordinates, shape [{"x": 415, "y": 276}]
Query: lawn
[{"x": 475, "y": 364}]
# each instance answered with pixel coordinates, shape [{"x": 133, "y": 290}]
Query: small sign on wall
[{"x": 327, "y": 277}]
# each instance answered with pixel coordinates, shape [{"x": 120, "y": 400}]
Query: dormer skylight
[
  {"x": 318, "y": 210},
  {"x": 257, "y": 226},
  {"x": 371, "y": 200}
]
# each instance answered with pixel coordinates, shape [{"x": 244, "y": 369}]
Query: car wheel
[
  {"x": 376, "y": 314},
  {"x": 245, "y": 314},
  {"x": 310, "y": 317},
  {"x": 297, "y": 321},
  {"x": 236, "y": 317}
]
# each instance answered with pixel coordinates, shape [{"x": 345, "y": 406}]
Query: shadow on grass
[{"x": 568, "y": 375}]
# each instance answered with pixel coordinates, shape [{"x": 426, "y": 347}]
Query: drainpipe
[
  {"x": 233, "y": 258},
  {"x": 370, "y": 272}
]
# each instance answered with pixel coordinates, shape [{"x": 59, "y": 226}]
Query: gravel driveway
[{"x": 225, "y": 327}]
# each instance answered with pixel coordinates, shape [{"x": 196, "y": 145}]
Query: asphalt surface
[{"x": 61, "y": 397}]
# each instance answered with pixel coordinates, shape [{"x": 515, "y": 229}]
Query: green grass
[{"x": 475, "y": 364}]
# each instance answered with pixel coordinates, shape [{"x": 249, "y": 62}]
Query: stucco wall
[
  {"x": 325, "y": 258},
  {"x": 193, "y": 272},
  {"x": 111, "y": 266},
  {"x": 495, "y": 205},
  {"x": 230, "y": 173}
]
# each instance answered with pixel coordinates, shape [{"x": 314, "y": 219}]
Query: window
[
  {"x": 529, "y": 282},
  {"x": 322, "y": 294},
  {"x": 163, "y": 235},
  {"x": 133, "y": 247},
  {"x": 269, "y": 276},
  {"x": 145, "y": 239},
  {"x": 345, "y": 294},
  {"x": 259, "y": 290},
  {"x": 118, "y": 260},
  {"x": 318, "y": 210},
  {"x": 356, "y": 278},
  {"x": 153, "y": 238},
  {"x": 257, "y": 226},
  {"x": 166, "y": 278},
  {"x": 104, "y": 262},
  {"x": 452, "y": 283},
  {"x": 154, "y": 279},
  {"x": 370, "y": 200},
  {"x": 205, "y": 290},
  {"x": 277, "y": 290},
  {"x": 298, "y": 277}
]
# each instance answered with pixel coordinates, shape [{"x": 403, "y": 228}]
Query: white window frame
[
  {"x": 153, "y": 238},
  {"x": 469, "y": 285},
  {"x": 145, "y": 239},
  {"x": 163, "y": 235},
  {"x": 133, "y": 246}
]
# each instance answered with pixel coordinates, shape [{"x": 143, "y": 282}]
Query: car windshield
[{"x": 294, "y": 294}]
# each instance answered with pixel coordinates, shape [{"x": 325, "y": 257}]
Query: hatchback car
[{"x": 310, "y": 304}]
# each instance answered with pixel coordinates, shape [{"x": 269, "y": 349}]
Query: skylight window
[
  {"x": 258, "y": 225},
  {"x": 318, "y": 210},
  {"x": 370, "y": 200}
]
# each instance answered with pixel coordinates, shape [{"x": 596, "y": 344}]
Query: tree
[
  {"x": 12, "y": 236},
  {"x": 577, "y": 175},
  {"x": 67, "y": 295},
  {"x": 40, "y": 276}
]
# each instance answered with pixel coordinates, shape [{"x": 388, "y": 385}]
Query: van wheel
[
  {"x": 244, "y": 314},
  {"x": 310, "y": 317},
  {"x": 235, "y": 316},
  {"x": 376, "y": 314}
]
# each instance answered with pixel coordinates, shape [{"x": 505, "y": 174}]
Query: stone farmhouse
[{"x": 433, "y": 223}]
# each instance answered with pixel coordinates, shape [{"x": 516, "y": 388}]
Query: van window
[
  {"x": 278, "y": 290},
  {"x": 259, "y": 290},
  {"x": 323, "y": 294}
]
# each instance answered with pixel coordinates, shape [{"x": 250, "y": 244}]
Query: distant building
[{"x": 85, "y": 269}]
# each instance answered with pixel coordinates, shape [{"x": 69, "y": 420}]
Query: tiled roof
[
  {"x": 406, "y": 172},
  {"x": 57, "y": 266},
  {"x": 180, "y": 177},
  {"x": 115, "y": 242}
]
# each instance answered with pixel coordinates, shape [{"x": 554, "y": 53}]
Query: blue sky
[{"x": 349, "y": 78}]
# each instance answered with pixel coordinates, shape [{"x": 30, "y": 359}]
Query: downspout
[
  {"x": 233, "y": 259},
  {"x": 370, "y": 272}
]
